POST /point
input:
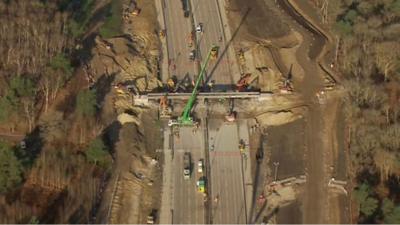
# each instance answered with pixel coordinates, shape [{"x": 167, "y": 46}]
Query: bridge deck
[{"x": 204, "y": 95}]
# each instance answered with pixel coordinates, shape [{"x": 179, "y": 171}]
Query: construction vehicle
[
  {"x": 171, "y": 82},
  {"x": 242, "y": 145},
  {"x": 245, "y": 81},
  {"x": 214, "y": 52},
  {"x": 242, "y": 60},
  {"x": 151, "y": 218},
  {"x": 200, "y": 165},
  {"x": 185, "y": 7},
  {"x": 185, "y": 84},
  {"x": 165, "y": 110},
  {"x": 126, "y": 88},
  {"x": 192, "y": 55},
  {"x": 201, "y": 185},
  {"x": 231, "y": 117},
  {"x": 199, "y": 28},
  {"x": 287, "y": 87},
  {"x": 185, "y": 119},
  {"x": 162, "y": 33},
  {"x": 190, "y": 39},
  {"x": 186, "y": 165},
  {"x": 133, "y": 9}
]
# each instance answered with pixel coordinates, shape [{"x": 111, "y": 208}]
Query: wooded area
[
  {"x": 55, "y": 174},
  {"x": 369, "y": 60}
]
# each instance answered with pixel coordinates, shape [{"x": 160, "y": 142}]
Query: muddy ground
[
  {"x": 287, "y": 147},
  {"x": 321, "y": 135}
]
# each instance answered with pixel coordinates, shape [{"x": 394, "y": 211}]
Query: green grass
[{"x": 113, "y": 23}]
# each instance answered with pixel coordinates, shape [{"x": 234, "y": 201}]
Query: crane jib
[{"x": 186, "y": 112}]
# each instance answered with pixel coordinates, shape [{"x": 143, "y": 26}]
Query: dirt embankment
[
  {"x": 262, "y": 36},
  {"x": 131, "y": 63}
]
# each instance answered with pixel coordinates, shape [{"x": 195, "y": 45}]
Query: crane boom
[{"x": 185, "y": 118}]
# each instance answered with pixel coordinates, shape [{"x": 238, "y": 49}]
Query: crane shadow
[
  {"x": 208, "y": 79},
  {"x": 256, "y": 179}
]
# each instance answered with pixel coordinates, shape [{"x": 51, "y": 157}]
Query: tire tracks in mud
[{"x": 315, "y": 203}]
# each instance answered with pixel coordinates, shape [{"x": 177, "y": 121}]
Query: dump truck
[
  {"x": 201, "y": 185},
  {"x": 186, "y": 165}
]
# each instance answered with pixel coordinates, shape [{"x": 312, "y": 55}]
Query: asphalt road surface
[
  {"x": 188, "y": 202},
  {"x": 207, "y": 12},
  {"x": 178, "y": 30},
  {"x": 226, "y": 174}
]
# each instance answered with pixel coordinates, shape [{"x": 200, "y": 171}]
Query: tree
[
  {"x": 344, "y": 27},
  {"x": 61, "y": 62},
  {"x": 10, "y": 168},
  {"x": 113, "y": 23},
  {"x": 24, "y": 90},
  {"x": 22, "y": 86},
  {"x": 391, "y": 213},
  {"x": 54, "y": 77},
  {"x": 367, "y": 204},
  {"x": 388, "y": 57},
  {"x": 393, "y": 217},
  {"x": 6, "y": 108},
  {"x": 86, "y": 103},
  {"x": 97, "y": 153}
]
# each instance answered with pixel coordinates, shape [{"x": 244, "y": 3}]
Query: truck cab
[{"x": 199, "y": 28}]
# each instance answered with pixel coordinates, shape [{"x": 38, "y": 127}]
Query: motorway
[
  {"x": 207, "y": 12},
  {"x": 227, "y": 173},
  {"x": 178, "y": 29},
  {"x": 181, "y": 201},
  {"x": 188, "y": 205}
]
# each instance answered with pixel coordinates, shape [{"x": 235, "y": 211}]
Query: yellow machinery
[
  {"x": 162, "y": 33},
  {"x": 171, "y": 83},
  {"x": 241, "y": 56},
  {"x": 201, "y": 185},
  {"x": 242, "y": 145},
  {"x": 214, "y": 52}
]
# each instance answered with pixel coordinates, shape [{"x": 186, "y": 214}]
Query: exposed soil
[
  {"x": 137, "y": 176},
  {"x": 311, "y": 146}
]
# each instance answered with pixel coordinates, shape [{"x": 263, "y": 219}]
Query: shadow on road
[
  {"x": 256, "y": 180},
  {"x": 227, "y": 45}
]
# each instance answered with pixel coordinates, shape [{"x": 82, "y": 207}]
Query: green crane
[{"x": 185, "y": 119}]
